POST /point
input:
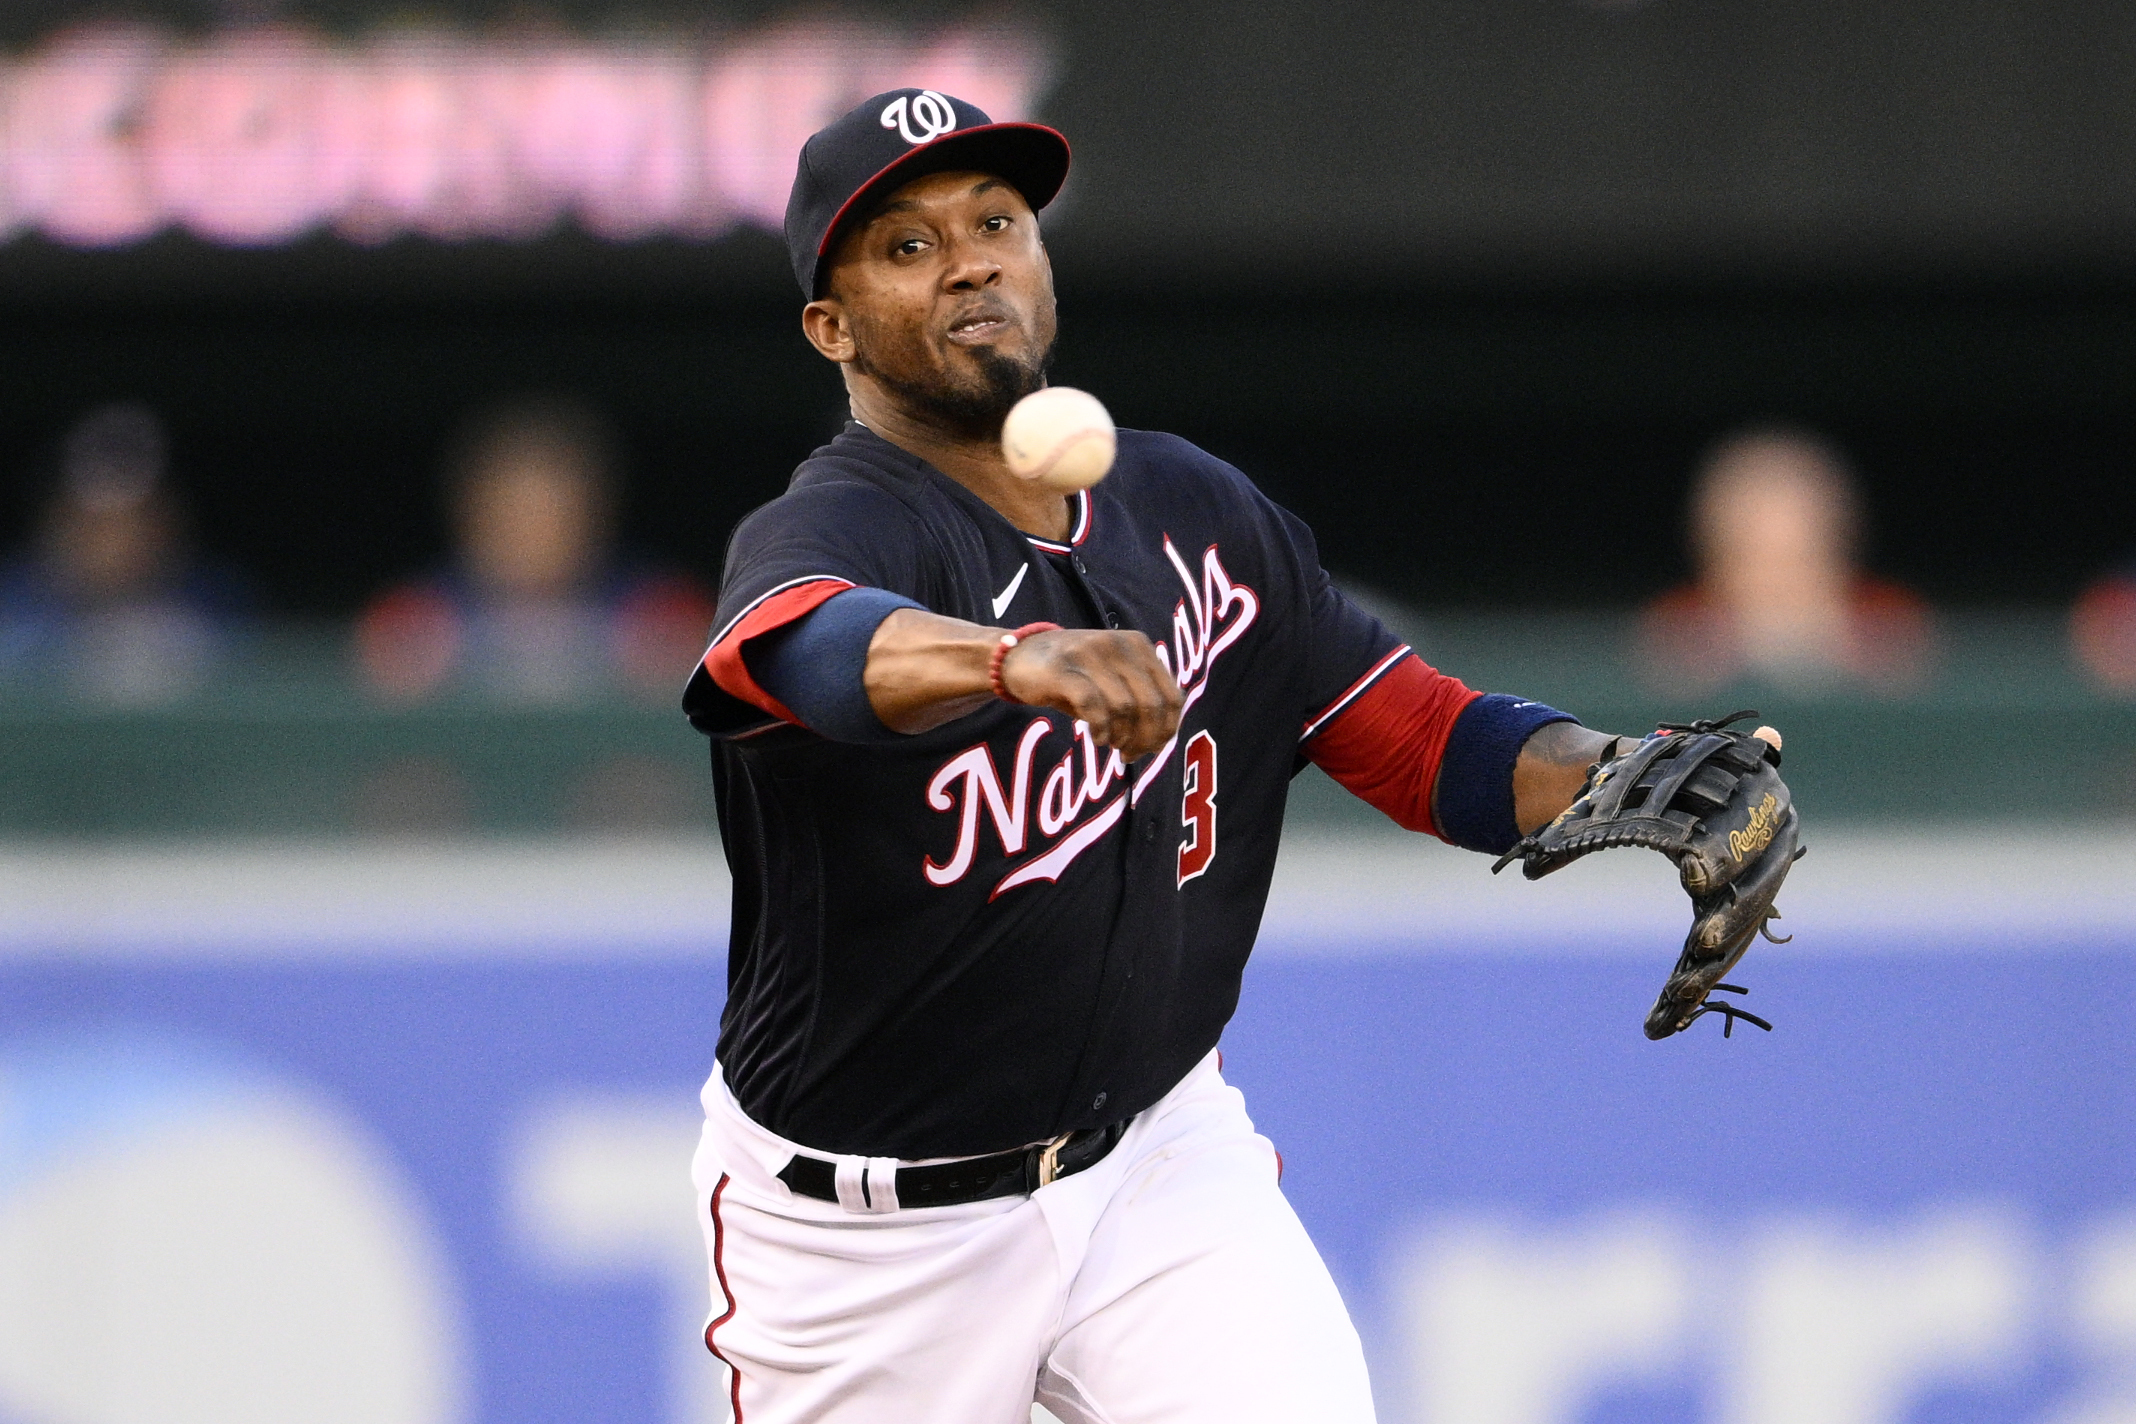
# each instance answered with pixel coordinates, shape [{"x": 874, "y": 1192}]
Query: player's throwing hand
[
  {"x": 924, "y": 670},
  {"x": 1111, "y": 680}
]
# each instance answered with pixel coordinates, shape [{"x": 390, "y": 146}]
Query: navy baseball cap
[{"x": 892, "y": 139}]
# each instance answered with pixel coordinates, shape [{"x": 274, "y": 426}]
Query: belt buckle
[{"x": 1049, "y": 1159}]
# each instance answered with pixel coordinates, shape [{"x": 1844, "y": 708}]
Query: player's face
[{"x": 945, "y": 298}]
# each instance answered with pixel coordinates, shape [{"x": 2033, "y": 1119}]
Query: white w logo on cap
[{"x": 933, "y": 114}]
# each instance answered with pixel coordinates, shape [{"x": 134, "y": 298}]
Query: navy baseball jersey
[{"x": 996, "y": 932}]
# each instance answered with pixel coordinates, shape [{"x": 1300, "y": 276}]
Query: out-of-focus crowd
[
  {"x": 1780, "y": 595},
  {"x": 538, "y": 604}
]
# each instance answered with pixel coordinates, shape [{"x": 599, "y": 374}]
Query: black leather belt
[{"x": 1002, "y": 1174}]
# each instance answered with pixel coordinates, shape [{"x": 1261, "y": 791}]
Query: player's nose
[{"x": 970, "y": 269}]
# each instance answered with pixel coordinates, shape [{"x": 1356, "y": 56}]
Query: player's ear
[{"x": 823, "y": 322}]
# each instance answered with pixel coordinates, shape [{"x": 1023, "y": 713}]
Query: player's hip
[
  {"x": 1179, "y": 1237},
  {"x": 759, "y": 1167}
]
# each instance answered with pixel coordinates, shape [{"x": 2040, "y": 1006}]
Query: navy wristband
[
  {"x": 817, "y": 665},
  {"x": 1475, "y": 793}
]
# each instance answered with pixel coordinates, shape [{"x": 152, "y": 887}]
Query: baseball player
[{"x": 1001, "y": 774}]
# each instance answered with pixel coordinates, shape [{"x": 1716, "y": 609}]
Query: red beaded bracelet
[{"x": 1001, "y": 651}]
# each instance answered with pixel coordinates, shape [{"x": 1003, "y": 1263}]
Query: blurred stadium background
[{"x": 377, "y": 387}]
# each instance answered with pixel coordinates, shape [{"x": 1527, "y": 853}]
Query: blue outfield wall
[{"x": 1912, "y": 1202}]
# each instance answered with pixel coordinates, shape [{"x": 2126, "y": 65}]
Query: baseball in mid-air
[{"x": 1059, "y": 437}]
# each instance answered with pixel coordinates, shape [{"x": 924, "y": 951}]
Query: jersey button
[
  {"x": 1077, "y": 561},
  {"x": 1097, "y": 1103},
  {"x": 1112, "y": 620}
]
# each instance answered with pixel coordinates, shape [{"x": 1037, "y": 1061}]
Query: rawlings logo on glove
[
  {"x": 1712, "y": 800},
  {"x": 1764, "y": 819}
]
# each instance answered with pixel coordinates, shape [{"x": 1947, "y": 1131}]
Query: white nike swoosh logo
[{"x": 1001, "y": 602}]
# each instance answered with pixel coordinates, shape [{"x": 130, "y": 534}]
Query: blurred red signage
[{"x": 255, "y": 137}]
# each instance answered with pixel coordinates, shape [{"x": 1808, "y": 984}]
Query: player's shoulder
[
  {"x": 845, "y": 486},
  {"x": 1163, "y": 462},
  {"x": 859, "y": 467},
  {"x": 1160, "y": 450},
  {"x": 827, "y": 489},
  {"x": 1164, "y": 476}
]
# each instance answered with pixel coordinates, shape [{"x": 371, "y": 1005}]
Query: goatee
[{"x": 975, "y": 410}]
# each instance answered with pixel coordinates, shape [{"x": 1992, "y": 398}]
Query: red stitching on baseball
[{"x": 1067, "y": 443}]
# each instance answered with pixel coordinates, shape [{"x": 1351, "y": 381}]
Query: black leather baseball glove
[{"x": 1711, "y": 799}]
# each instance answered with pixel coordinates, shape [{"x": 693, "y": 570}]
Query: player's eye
[
  {"x": 997, "y": 223},
  {"x": 911, "y": 247}
]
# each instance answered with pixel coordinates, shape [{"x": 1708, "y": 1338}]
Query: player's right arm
[
  {"x": 924, "y": 670},
  {"x": 823, "y": 625}
]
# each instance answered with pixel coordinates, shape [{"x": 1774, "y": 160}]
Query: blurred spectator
[
  {"x": 109, "y": 603},
  {"x": 535, "y": 607},
  {"x": 2102, "y": 630},
  {"x": 1775, "y": 531}
]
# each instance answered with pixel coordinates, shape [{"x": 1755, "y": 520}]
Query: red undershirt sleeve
[
  {"x": 723, "y": 660},
  {"x": 828, "y": 533},
  {"x": 1386, "y": 745}
]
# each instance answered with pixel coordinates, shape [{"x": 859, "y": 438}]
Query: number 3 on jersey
[{"x": 1197, "y": 810}]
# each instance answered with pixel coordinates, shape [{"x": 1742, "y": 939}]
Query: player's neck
[{"x": 977, "y": 464}]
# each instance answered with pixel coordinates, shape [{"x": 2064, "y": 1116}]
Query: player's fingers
[
  {"x": 1093, "y": 689},
  {"x": 1171, "y": 698},
  {"x": 1131, "y": 726},
  {"x": 1114, "y": 683},
  {"x": 1153, "y": 710},
  {"x": 1058, "y": 672},
  {"x": 1081, "y": 690},
  {"x": 1770, "y": 734},
  {"x": 1130, "y": 734},
  {"x": 1157, "y": 697},
  {"x": 1157, "y": 703},
  {"x": 1122, "y": 711}
]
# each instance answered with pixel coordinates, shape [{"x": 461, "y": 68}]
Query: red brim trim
[
  {"x": 946, "y": 142},
  {"x": 723, "y": 660}
]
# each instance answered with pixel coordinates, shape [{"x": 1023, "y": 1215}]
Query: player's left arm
[
  {"x": 1550, "y": 769},
  {"x": 1479, "y": 770}
]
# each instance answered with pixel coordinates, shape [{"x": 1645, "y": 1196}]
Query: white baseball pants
[{"x": 1169, "y": 1284}]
